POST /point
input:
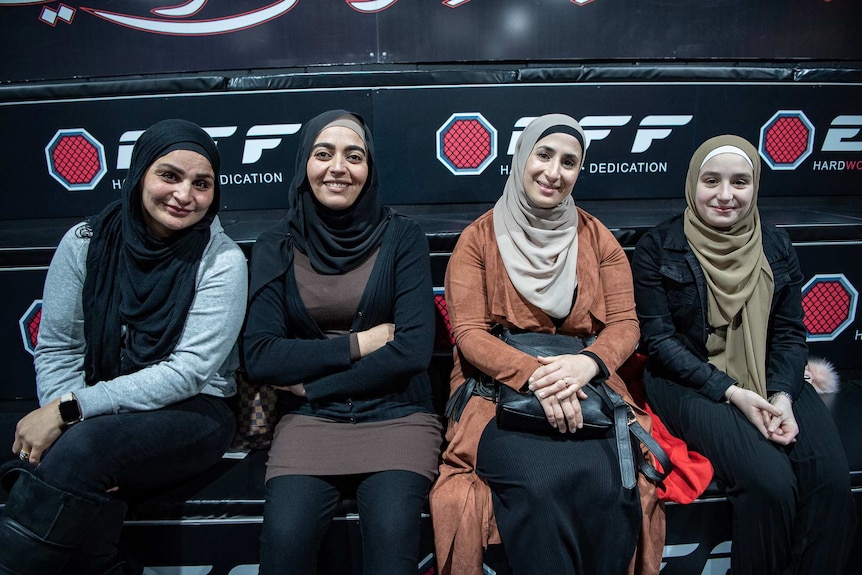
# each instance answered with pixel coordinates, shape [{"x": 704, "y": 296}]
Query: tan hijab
[
  {"x": 539, "y": 246},
  {"x": 738, "y": 276}
]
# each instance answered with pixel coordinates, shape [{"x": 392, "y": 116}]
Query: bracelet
[
  {"x": 784, "y": 393},
  {"x": 727, "y": 397}
]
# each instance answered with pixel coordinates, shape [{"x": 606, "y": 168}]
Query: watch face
[{"x": 69, "y": 411}]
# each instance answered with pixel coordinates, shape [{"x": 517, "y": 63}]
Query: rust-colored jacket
[{"x": 480, "y": 294}]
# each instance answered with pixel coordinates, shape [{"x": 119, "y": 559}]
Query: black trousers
[
  {"x": 136, "y": 452},
  {"x": 299, "y": 510},
  {"x": 793, "y": 512},
  {"x": 559, "y": 503}
]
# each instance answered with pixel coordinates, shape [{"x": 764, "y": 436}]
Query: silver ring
[
  {"x": 566, "y": 381},
  {"x": 23, "y": 455}
]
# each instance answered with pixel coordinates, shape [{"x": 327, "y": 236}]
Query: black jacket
[{"x": 670, "y": 293}]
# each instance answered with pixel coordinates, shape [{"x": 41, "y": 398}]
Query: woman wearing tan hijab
[
  {"x": 719, "y": 301},
  {"x": 538, "y": 263}
]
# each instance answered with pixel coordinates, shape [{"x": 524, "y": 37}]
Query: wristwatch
[{"x": 70, "y": 413}]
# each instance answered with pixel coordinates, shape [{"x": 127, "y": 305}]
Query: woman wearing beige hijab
[
  {"x": 538, "y": 263},
  {"x": 719, "y": 302}
]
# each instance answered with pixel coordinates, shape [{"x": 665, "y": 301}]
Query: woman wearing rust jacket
[{"x": 538, "y": 263}]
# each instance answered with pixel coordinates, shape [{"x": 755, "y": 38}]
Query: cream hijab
[
  {"x": 539, "y": 246},
  {"x": 738, "y": 277}
]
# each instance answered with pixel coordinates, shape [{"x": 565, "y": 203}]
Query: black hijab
[
  {"x": 335, "y": 241},
  {"x": 136, "y": 280}
]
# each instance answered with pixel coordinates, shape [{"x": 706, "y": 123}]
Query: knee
[
  {"x": 284, "y": 529},
  {"x": 762, "y": 489},
  {"x": 830, "y": 482},
  {"x": 73, "y": 467},
  {"x": 290, "y": 523},
  {"x": 392, "y": 496},
  {"x": 393, "y": 518}
]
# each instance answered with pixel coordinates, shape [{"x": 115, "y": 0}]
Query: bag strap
[
  {"x": 624, "y": 446},
  {"x": 625, "y": 424},
  {"x": 483, "y": 386},
  {"x": 456, "y": 404},
  {"x": 653, "y": 447}
]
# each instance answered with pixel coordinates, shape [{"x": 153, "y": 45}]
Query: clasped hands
[
  {"x": 370, "y": 340},
  {"x": 557, "y": 383},
  {"x": 774, "y": 419}
]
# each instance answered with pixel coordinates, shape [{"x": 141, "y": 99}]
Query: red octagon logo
[
  {"x": 786, "y": 140},
  {"x": 466, "y": 144},
  {"x": 829, "y": 303},
  {"x": 29, "y": 324},
  {"x": 76, "y": 159}
]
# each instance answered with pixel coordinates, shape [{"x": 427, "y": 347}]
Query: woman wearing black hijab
[
  {"x": 341, "y": 322},
  {"x": 141, "y": 310}
]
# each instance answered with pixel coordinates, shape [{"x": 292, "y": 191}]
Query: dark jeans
[
  {"x": 141, "y": 450},
  {"x": 792, "y": 507},
  {"x": 57, "y": 512},
  {"x": 299, "y": 510}
]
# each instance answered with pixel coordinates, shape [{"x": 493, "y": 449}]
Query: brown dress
[{"x": 305, "y": 445}]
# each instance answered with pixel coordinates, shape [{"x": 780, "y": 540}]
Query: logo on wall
[
  {"x": 179, "y": 19},
  {"x": 829, "y": 304},
  {"x": 169, "y": 19},
  {"x": 466, "y": 144},
  {"x": 76, "y": 159},
  {"x": 29, "y": 324},
  {"x": 62, "y": 13},
  {"x": 786, "y": 140}
]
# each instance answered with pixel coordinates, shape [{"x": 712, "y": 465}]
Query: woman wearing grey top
[{"x": 141, "y": 310}]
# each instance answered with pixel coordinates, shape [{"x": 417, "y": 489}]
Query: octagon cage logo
[
  {"x": 786, "y": 140},
  {"x": 466, "y": 144},
  {"x": 829, "y": 304},
  {"x": 76, "y": 159},
  {"x": 29, "y": 325}
]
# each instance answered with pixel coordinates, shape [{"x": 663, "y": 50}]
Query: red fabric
[{"x": 692, "y": 471}]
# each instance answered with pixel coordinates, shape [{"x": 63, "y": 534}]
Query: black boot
[
  {"x": 99, "y": 553},
  {"x": 41, "y": 526}
]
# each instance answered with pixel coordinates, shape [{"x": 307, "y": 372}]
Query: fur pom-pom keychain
[{"x": 822, "y": 375}]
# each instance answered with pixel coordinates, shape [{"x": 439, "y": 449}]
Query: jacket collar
[{"x": 675, "y": 240}]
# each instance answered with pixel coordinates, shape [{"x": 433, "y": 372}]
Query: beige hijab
[
  {"x": 539, "y": 246},
  {"x": 738, "y": 276}
]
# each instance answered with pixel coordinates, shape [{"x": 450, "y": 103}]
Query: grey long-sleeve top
[{"x": 203, "y": 361}]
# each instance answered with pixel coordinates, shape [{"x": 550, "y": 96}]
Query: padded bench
[{"x": 213, "y": 521}]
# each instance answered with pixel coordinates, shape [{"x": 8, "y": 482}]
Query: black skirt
[{"x": 559, "y": 502}]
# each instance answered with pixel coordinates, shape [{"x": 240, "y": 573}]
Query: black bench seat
[{"x": 215, "y": 518}]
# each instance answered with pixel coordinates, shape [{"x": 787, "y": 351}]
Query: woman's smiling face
[
  {"x": 552, "y": 169},
  {"x": 337, "y": 167},
  {"x": 725, "y": 190},
  {"x": 177, "y": 190}
]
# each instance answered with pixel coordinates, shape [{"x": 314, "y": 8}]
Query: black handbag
[
  {"x": 604, "y": 410},
  {"x": 523, "y": 412}
]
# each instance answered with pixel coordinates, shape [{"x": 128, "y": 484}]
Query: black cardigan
[{"x": 283, "y": 345}]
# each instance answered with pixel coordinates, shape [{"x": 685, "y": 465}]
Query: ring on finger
[
  {"x": 23, "y": 455},
  {"x": 566, "y": 381}
]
